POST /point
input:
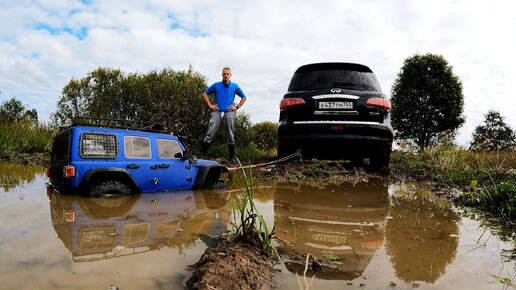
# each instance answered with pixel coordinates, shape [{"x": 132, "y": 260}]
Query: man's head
[{"x": 226, "y": 74}]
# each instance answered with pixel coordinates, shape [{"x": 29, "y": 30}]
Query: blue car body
[{"x": 141, "y": 160}]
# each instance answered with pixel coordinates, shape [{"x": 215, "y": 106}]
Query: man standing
[{"x": 223, "y": 110}]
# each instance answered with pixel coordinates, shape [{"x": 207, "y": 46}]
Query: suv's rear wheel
[
  {"x": 285, "y": 150},
  {"x": 380, "y": 159},
  {"x": 106, "y": 187}
]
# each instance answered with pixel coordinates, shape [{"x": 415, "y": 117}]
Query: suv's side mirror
[{"x": 178, "y": 155}]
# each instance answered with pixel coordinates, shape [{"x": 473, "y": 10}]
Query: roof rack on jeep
[{"x": 118, "y": 123}]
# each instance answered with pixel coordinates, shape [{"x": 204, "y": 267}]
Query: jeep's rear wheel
[
  {"x": 109, "y": 187},
  {"x": 285, "y": 150}
]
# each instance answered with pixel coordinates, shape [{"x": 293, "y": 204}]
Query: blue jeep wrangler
[{"x": 95, "y": 160}]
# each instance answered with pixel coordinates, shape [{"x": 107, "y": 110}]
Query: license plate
[{"x": 335, "y": 105}]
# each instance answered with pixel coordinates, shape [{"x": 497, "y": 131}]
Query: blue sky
[{"x": 44, "y": 44}]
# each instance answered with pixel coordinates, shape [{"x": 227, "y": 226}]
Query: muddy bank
[{"x": 239, "y": 264}]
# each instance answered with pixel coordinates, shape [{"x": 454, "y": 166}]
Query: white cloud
[{"x": 43, "y": 44}]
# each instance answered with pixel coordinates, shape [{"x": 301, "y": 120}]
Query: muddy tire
[
  {"x": 109, "y": 187},
  {"x": 285, "y": 150},
  {"x": 357, "y": 162},
  {"x": 380, "y": 159}
]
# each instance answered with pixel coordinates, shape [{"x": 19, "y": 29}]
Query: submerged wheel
[{"x": 109, "y": 187}]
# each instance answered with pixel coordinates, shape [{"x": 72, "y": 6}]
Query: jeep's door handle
[
  {"x": 163, "y": 166},
  {"x": 133, "y": 166},
  {"x": 154, "y": 167}
]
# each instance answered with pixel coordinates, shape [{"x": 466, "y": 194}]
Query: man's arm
[
  {"x": 207, "y": 100},
  {"x": 233, "y": 108}
]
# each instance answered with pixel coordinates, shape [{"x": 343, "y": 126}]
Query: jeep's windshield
[{"x": 326, "y": 79}]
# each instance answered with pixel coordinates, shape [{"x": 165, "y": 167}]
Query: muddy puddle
[{"x": 366, "y": 234}]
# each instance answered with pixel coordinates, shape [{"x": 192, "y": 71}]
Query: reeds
[
  {"x": 249, "y": 215},
  {"x": 24, "y": 138}
]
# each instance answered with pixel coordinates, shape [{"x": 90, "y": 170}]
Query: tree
[
  {"x": 13, "y": 110},
  {"x": 494, "y": 134},
  {"x": 427, "y": 100},
  {"x": 264, "y": 135},
  {"x": 170, "y": 97}
]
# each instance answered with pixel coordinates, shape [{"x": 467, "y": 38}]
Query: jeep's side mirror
[
  {"x": 178, "y": 155},
  {"x": 185, "y": 155}
]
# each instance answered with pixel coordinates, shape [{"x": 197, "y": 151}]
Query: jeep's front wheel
[{"x": 107, "y": 187}]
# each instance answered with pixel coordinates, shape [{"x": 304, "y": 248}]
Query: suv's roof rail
[{"x": 118, "y": 123}]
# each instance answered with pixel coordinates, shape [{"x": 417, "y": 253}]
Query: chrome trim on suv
[
  {"x": 335, "y": 96},
  {"x": 336, "y": 122},
  {"x": 347, "y": 113}
]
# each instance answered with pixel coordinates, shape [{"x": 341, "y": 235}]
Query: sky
[{"x": 44, "y": 44}]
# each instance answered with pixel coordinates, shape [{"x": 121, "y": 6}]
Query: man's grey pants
[{"x": 216, "y": 118}]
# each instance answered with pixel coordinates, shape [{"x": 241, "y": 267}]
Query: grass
[
  {"x": 23, "y": 142},
  {"x": 487, "y": 178},
  {"x": 249, "y": 216}
]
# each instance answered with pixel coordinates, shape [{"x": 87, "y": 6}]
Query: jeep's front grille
[{"x": 98, "y": 145}]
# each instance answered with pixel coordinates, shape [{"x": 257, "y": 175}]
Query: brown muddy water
[{"x": 367, "y": 234}]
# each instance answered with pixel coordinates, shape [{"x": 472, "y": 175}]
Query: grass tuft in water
[{"x": 251, "y": 222}]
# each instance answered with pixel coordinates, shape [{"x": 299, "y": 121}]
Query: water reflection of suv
[
  {"x": 100, "y": 159},
  {"x": 336, "y": 111}
]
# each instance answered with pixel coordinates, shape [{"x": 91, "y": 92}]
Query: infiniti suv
[{"x": 336, "y": 111}]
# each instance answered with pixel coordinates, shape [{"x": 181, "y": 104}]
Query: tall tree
[
  {"x": 13, "y": 110},
  {"x": 494, "y": 134},
  {"x": 170, "y": 97},
  {"x": 427, "y": 100}
]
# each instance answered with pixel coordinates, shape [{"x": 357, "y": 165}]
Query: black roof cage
[{"x": 118, "y": 124}]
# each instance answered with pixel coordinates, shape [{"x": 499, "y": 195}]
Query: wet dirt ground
[{"x": 366, "y": 232}]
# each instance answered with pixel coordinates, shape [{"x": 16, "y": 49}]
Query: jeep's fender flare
[
  {"x": 86, "y": 179},
  {"x": 207, "y": 173}
]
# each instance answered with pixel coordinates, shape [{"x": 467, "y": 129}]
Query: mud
[{"x": 240, "y": 264}]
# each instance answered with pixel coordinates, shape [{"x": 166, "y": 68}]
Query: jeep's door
[{"x": 174, "y": 172}]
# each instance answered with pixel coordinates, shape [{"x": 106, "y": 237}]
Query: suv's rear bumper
[{"x": 336, "y": 139}]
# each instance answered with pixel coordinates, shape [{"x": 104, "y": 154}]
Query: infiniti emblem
[{"x": 335, "y": 90}]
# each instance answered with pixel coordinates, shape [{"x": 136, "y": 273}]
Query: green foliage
[
  {"x": 427, "y": 100},
  {"x": 170, "y": 97},
  {"x": 494, "y": 134},
  {"x": 22, "y": 138},
  {"x": 13, "y": 110},
  {"x": 248, "y": 214},
  {"x": 264, "y": 136},
  {"x": 454, "y": 166},
  {"x": 498, "y": 198}
]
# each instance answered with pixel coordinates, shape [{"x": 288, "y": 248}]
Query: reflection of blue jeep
[{"x": 99, "y": 160}]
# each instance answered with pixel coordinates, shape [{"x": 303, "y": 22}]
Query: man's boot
[
  {"x": 231, "y": 151},
  {"x": 204, "y": 148}
]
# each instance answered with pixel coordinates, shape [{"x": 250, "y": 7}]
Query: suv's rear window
[
  {"x": 137, "y": 147},
  {"x": 169, "y": 149},
  {"x": 61, "y": 147},
  {"x": 98, "y": 145},
  {"x": 326, "y": 79}
]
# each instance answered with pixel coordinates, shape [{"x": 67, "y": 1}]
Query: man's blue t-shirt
[{"x": 224, "y": 97}]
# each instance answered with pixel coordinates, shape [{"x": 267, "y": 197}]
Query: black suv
[{"x": 336, "y": 111}]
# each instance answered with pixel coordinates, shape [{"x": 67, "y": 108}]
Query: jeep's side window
[
  {"x": 98, "y": 145},
  {"x": 137, "y": 147},
  {"x": 169, "y": 149}
]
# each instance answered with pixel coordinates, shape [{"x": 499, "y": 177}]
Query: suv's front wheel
[{"x": 106, "y": 187}]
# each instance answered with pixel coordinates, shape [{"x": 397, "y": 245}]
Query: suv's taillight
[
  {"x": 291, "y": 102},
  {"x": 69, "y": 171},
  {"x": 48, "y": 172},
  {"x": 380, "y": 103}
]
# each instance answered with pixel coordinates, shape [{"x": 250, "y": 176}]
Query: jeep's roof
[
  {"x": 117, "y": 124},
  {"x": 332, "y": 66}
]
